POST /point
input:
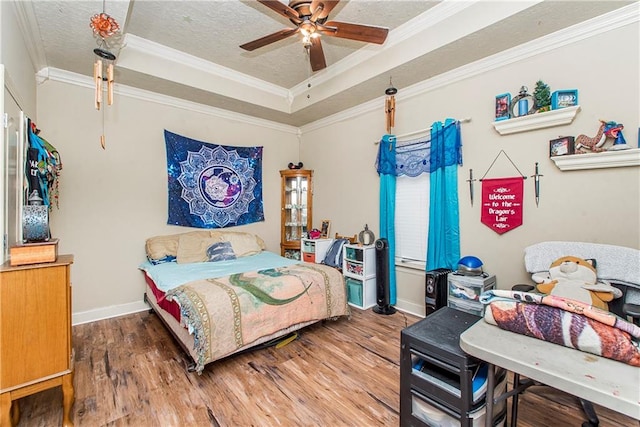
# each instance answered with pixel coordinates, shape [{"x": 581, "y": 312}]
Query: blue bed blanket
[{"x": 170, "y": 275}]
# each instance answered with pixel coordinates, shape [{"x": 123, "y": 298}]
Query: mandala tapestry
[{"x": 213, "y": 186}]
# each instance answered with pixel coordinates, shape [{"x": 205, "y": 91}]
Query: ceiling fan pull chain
[{"x": 308, "y": 72}]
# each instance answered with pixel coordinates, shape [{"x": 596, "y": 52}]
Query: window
[{"x": 412, "y": 220}]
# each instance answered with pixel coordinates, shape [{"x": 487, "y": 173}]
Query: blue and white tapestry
[{"x": 213, "y": 186}]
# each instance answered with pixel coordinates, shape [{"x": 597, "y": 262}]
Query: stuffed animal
[{"x": 576, "y": 278}]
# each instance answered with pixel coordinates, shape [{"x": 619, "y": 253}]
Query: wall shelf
[
  {"x": 606, "y": 159},
  {"x": 547, "y": 119}
]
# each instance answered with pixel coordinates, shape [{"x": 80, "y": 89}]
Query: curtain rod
[{"x": 418, "y": 132}]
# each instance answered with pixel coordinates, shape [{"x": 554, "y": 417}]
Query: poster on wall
[
  {"x": 502, "y": 203},
  {"x": 213, "y": 186}
]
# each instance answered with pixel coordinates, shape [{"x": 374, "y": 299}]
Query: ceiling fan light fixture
[
  {"x": 310, "y": 19},
  {"x": 306, "y": 41}
]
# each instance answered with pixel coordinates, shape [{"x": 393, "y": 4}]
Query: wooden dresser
[{"x": 35, "y": 334}]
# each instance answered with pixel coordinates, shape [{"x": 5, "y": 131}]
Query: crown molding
[
  {"x": 602, "y": 24},
  {"x": 27, "y": 23},
  {"x": 421, "y": 35},
  {"x": 174, "y": 55},
  {"x": 608, "y": 22},
  {"x": 152, "y": 58},
  {"x": 438, "y": 13},
  {"x": 63, "y": 76}
]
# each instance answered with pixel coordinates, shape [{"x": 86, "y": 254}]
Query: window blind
[{"x": 412, "y": 218}]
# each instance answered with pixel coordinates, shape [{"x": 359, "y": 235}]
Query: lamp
[{"x": 104, "y": 27}]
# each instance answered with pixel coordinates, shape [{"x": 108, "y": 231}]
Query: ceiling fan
[{"x": 310, "y": 19}]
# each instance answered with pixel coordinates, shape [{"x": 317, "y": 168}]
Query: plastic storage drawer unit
[{"x": 435, "y": 371}]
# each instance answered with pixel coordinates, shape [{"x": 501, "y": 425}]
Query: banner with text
[{"x": 502, "y": 203}]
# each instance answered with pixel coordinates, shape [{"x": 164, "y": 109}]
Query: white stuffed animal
[{"x": 576, "y": 278}]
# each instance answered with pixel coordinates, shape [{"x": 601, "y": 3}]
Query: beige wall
[
  {"x": 598, "y": 205},
  {"x": 19, "y": 70},
  {"x": 112, "y": 200}
]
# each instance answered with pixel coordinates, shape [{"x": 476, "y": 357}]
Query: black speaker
[
  {"x": 435, "y": 289},
  {"x": 383, "y": 296}
]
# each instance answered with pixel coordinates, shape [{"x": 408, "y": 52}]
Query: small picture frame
[
  {"x": 324, "y": 228},
  {"x": 564, "y": 98},
  {"x": 561, "y": 146},
  {"x": 502, "y": 106}
]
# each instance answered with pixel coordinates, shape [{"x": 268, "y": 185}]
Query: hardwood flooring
[{"x": 130, "y": 372}]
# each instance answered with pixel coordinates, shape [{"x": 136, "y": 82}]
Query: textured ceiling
[{"x": 190, "y": 49}]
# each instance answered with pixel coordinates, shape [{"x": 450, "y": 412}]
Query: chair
[{"x": 618, "y": 265}]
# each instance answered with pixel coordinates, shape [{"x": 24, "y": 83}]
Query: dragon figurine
[{"x": 608, "y": 130}]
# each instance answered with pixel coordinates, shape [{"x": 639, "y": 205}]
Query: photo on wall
[
  {"x": 502, "y": 106},
  {"x": 561, "y": 146}
]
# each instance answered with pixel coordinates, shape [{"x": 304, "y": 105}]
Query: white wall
[
  {"x": 598, "y": 205},
  {"x": 112, "y": 200}
]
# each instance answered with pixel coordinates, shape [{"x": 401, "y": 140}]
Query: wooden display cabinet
[
  {"x": 35, "y": 335},
  {"x": 297, "y": 207}
]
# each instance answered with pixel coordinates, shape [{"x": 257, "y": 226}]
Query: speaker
[
  {"x": 383, "y": 297},
  {"x": 435, "y": 289}
]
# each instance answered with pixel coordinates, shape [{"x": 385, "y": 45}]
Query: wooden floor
[{"x": 130, "y": 372}]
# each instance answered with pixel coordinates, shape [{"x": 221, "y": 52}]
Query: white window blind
[{"x": 412, "y": 219}]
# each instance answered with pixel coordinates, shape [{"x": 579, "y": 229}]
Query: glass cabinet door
[{"x": 296, "y": 210}]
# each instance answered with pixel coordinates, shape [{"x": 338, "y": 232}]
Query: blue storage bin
[{"x": 354, "y": 291}]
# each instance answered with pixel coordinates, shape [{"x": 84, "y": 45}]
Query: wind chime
[
  {"x": 104, "y": 27},
  {"x": 390, "y": 106}
]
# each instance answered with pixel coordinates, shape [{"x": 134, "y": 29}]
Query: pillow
[
  {"x": 161, "y": 247},
  {"x": 220, "y": 251},
  {"x": 192, "y": 247},
  {"x": 164, "y": 247},
  {"x": 243, "y": 244}
]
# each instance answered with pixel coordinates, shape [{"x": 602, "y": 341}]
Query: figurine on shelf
[
  {"x": 608, "y": 130},
  {"x": 614, "y": 130},
  {"x": 293, "y": 166},
  {"x": 521, "y": 102}
]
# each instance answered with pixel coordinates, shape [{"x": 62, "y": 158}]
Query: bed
[{"x": 220, "y": 293}]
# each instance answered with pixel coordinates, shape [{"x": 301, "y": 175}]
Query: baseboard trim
[
  {"x": 108, "y": 312},
  {"x": 410, "y": 307}
]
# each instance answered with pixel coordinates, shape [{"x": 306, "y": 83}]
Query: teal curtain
[
  {"x": 386, "y": 166},
  {"x": 443, "y": 242}
]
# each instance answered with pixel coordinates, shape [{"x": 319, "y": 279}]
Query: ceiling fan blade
[
  {"x": 363, "y": 33},
  {"x": 328, "y": 6},
  {"x": 316, "y": 55},
  {"x": 282, "y": 10},
  {"x": 271, "y": 38}
]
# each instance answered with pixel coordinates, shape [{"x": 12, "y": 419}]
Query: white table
[{"x": 608, "y": 383}]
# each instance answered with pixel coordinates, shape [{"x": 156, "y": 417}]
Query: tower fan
[{"x": 383, "y": 297}]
